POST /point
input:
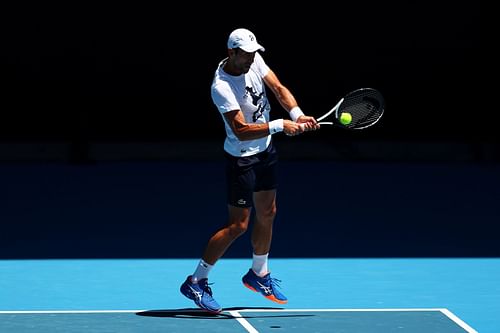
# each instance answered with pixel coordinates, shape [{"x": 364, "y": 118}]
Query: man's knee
[
  {"x": 237, "y": 229},
  {"x": 267, "y": 214},
  {"x": 238, "y": 220}
]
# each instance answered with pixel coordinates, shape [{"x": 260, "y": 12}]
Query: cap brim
[{"x": 252, "y": 48}]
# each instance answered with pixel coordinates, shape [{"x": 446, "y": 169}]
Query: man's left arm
[{"x": 288, "y": 102}]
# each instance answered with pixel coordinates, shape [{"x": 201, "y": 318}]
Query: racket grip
[{"x": 303, "y": 126}]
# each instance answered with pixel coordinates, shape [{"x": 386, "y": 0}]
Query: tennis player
[{"x": 239, "y": 93}]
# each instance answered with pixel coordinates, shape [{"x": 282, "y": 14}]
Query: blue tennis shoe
[
  {"x": 266, "y": 285},
  {"x": 201, "y": 294}
]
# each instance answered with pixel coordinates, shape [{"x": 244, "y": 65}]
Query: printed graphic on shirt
[{"x": 258, "y": 100}]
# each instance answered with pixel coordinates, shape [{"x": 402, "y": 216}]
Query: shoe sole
[
  {"x": 210, "y": 311},
  {"x": 201, "y": 307},
  {"x": 270, "y": 297}
]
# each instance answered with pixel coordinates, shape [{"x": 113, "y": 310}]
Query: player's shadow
[{"x": 196, "y": 313}]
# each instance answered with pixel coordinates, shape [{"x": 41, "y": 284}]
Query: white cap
[{"x": 245, "y": 40}]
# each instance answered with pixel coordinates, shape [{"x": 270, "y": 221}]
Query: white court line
[
  {"x": 251, "y": 329},
  {"x": 458, "y": 321},
  {"x": 243, "y": 322},
  {"x": 342, "y": 310},
  {"x": 242, "y": 310},
  {"x": 73, "y": 311}
]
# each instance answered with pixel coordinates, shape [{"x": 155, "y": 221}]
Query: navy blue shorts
[{"x": 246, "y": 175}]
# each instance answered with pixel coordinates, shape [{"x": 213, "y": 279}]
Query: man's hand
[
  {"x": 292, "y": 128},
  {"x": 308, "y": 123}
]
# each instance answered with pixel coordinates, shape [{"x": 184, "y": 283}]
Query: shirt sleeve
[
  {"x": 223, "y": 98},
  {"x": 260, "y": 65}
]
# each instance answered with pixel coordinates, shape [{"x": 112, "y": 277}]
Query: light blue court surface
[{"x": 326, "y": 295}]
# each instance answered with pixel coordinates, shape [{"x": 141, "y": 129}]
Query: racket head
[{"x": 366, "y": 106}]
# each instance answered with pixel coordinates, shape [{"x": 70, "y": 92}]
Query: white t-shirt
[{"x": 247, "y": 93}]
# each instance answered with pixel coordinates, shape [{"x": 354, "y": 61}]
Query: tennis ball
[{"x": 345, "y": 118}]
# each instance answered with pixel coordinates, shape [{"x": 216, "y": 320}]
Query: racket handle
[{"x": 303, "y": 126}]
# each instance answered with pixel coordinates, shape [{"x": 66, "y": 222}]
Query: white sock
[
  {"x": 259, "y": 264},
  {"x": 201, "y": 271}
]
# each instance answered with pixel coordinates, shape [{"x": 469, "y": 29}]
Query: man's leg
[
  {"x": 265, "y": 211},
  {"x": 258, "y": 277},
  {"x": 196, "y": 286},
  {"x": 239, "y": 218}
]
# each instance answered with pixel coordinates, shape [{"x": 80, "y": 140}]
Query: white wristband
[
  {"x": 276, "y": 126},
  {"x": 295, "y": 113}
]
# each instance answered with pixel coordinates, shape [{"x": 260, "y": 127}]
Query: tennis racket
[{"x": 358, "y": 109}]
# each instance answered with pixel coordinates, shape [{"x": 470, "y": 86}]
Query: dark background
[
  {"x": 142, "y": 72},
  {"x": 97, "y": 97}
]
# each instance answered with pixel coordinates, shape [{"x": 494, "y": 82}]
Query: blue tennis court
[{"x": 326, "y": 295}]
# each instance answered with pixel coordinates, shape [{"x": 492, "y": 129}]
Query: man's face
[{"x": 242, "y": 60}]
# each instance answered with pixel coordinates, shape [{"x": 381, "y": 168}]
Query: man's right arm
[{"x": 245, "y": 131}]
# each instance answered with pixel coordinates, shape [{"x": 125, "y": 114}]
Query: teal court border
[
  {"x": 241, "y": 319},
  {"x": 241, "y": 315}
]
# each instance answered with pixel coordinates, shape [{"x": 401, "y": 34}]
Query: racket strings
[
  {"x": 363, "y": 114},
  {"x": 365, "y": 109}
]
